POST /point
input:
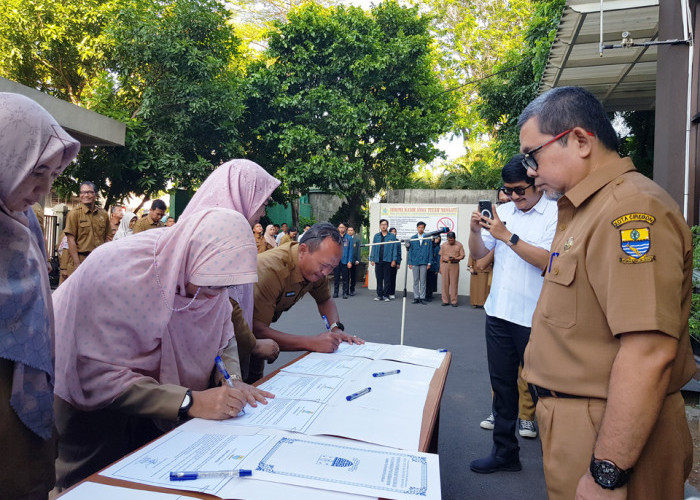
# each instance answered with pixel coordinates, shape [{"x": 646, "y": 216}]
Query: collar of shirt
[
  {"x": 596, "y": 180},
  {"x": 87, "y": 209},
  {"x": 293, "y": 263},
  {"x": 539, "y": 207}
]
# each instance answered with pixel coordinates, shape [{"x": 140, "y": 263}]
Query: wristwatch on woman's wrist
[{"x": 182, "y": 413}]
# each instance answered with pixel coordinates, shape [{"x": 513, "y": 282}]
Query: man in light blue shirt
[
  {"x": 521, "y": 231},
  {"x": 420, "y": 255}
]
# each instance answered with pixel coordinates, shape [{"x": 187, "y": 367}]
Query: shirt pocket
[{"x": 558, "y": 303}]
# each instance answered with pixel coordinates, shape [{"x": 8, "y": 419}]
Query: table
[{"x": 428, "y": 441}]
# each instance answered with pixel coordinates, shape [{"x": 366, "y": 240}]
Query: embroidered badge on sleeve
[{"x": 635, "y": 243}]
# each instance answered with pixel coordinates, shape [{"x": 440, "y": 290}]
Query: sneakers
[
  {"x": 377, "y": 299},
  {"x": 488, "y": 423},
  {"x": 386, "y": 299},
  {"x": 526, "y": 428},
  {"x": 392, "y": 297}
]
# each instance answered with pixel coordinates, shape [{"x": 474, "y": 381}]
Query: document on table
[
  {"x": 327, "y": 365},
  {"x": 188, "y": 451},
  {"x": 298, "y": 386},
  {"x": 286, "y": 414},
  {"x": 350, "y": 467},
  {"x": 401, "y": 353},
  {"x": 91, "y": 491},
  {"x": 182, "y": 448}
]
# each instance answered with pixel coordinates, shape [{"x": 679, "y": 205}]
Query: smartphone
[{"x": 485, "y": 208}]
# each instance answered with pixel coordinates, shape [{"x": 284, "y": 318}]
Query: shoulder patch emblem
[
  {"x": 633, "y": 217},
  {"x": 635, "y": 243}
]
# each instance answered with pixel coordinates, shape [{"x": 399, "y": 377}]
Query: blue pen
[
  {"x": 328, "y": 325},
  {"x": 222, "y": 368},
  {"x": 442, "y": 350},
  {"x": 190, "y": 475},
  {"x": 358, "y": 394},
  {"x": 384, "y": 374}
]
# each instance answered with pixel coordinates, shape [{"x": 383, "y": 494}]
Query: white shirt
[{"x": 516, "y": 284}]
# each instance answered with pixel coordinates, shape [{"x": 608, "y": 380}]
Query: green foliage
[
  {"x": 506, "y": 95},
  {"x": 639, "y": 144},
  {"x": 346, "y": 101},
  {"x": 694, "y": 320}
]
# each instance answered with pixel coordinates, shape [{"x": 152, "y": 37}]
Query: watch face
[{"x": 606, "y": 473}]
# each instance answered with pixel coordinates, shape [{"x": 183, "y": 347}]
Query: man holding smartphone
[{"x": 521, "y": 232}]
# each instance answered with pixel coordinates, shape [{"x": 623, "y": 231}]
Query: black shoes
[
  {"x": 345, "y": 296},
  {"x": 335, "y": 295},
  {"x": 416, "y": 301},
  {"x": 490, "y": 464},
  {"x": 352, "y": 292},
  {"x": 445, "y": 304}
]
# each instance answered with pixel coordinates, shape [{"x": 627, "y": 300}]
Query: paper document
[
  {"x": 414, "y": 355},
  {"x": 286, "y": 414},
  {"x": 304, "y": 387},
  {"x": 187, "y": 451},
  {"x": 327, "y": 365},
  {"x": 369, "y": 350},
  {"x": 91, "y": 491},
  {"x": 353, "y": 468}
]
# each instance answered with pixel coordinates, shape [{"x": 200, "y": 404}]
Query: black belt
[
  {"x": 546, "y": 393},
  {"x": 83, "y": 253}
]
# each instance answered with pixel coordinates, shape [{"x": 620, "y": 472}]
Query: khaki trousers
[
  {"x": 568, "y": 430},
  {"x": 70, "y": 267},
  {"x": 450, "y": 281}
]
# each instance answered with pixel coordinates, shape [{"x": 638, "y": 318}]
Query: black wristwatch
[
  {"x": 338, "y": 324},
  {"x": 514, "y": 238},
  {"x": 608, "y": 475},
  {"x": 185, "y": 406}
]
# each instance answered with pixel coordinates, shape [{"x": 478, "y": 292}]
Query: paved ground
[{"x": 467, "y": 397}]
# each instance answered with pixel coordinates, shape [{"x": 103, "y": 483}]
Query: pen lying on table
[{"x": 189, "y": 475}]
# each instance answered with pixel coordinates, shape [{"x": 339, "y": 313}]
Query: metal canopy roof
[{"x": 622, "y": 79}]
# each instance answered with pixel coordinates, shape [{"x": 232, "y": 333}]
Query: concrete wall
[
  {"x": 324, "y": 205},
  {"x": 439, "y": 196}
]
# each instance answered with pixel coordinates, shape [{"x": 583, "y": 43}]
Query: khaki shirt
[
  {"x": 455, "y": 251},
  {"x": 145, "y": 223},
  {"x": 261, "y": 243},
  {"x": 620, "y": 262},
  {"x": 90, "y": 228},
  {"x": 280, "y": 283}
]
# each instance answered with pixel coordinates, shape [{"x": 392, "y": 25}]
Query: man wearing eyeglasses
[
  {"x": 285, "y": 275},
  {"x": 87, "y": 227},
  {"x": 609, "y": 350},
  {"x": 521, "y": 233}
]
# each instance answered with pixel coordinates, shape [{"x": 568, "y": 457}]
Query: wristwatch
[
  {"x": 608, "y": 475},
  {"x": 514, "y": 238},
  {"x": 185, "y": 406},
  {"x": 338, "y": 324}
]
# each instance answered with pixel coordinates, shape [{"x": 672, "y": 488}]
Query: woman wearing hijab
[
  {"x": 243, "y": 186},
  {"x": 270, "y": 237},
  {"x": 136, "y": 340},
  {"x": 34, "y": 150},
  {"x": 126, "y": 226}
]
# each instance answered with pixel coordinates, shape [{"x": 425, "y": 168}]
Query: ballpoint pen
[
  {"x": 328, "y": 325},
  {"x": 222, "y": 368},
  {"x": 190, "y": 475},
  {"x": 357, "y": 394},
  {"x": 384, "y": 374}
]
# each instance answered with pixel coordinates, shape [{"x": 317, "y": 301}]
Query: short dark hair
[
  {"x": 158, "y": 205},
  {"x": 344, "y": 224},
  {"x": 451, "y": 234},
  {"x": 276, "y": 225},
  {"x": 170, "y": 217},
  {"x": 293, "y": 229},
  {"x": 306, "y": 225},
  {"x": 383, "y": 220},
  {"x": 420, "y": 223},
  {"x": 392, "y": 229},
  {"x": 514, "y": 171},
  {"x": 564, "y": 108},
  {"x": 88, "y": 183},
  {"x": 319, "y": 232}
]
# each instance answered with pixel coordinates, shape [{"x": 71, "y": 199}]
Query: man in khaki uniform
[
  {"x": 451, "y": 254},
  {"x": 153, "y": 219},
  {"x": 87, "y": 227},
  {"x": 609, "y": 349},
  {"x": 285, "y": 275}
]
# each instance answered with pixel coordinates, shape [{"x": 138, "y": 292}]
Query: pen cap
[
  {"x": 245, "y": 472},
  {"x": 175, "y": 476}
]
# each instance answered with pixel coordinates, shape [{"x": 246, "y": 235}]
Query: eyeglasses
[
  {"x": 529, "y": 161},
  {"x": 220, "y": 287},
  {"x": 520, "y": 191},
  {"x": 87, "y": 192}
]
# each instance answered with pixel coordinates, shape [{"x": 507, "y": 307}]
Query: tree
[
  {"x": 505, "y": 95},
  {"x": 168, "y": 69},
  {"x": 346, "y": 101}
]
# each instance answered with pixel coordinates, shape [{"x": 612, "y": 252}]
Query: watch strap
[
  {"x": 185, "y": 406},
  {"x": 338, "y": 324},
  {"x": 608, "y": 475},
  {"x": 514, "y": 238}
]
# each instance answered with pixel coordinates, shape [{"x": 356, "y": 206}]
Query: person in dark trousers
[
  {"x": 434, "y": 269},
  {"x": 356, "y": 257},
  {"x": 392, "y": 277},
  {"x": 383, "y": 257},
  {"x": 345, "y": 264}
]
